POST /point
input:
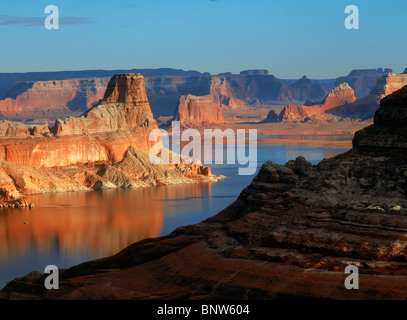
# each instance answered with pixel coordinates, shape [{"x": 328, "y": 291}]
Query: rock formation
[
  {"x": 290, "y": 235},
  {"x": 38, "y": 99},
  {"x": 90, "y": 151},
  {"x": 341, "y": 103},
  {"x": 340, "y": 95},
  {"x": 365, "y": 108},
  {"x": 305, "y": 89},
  {"x": 362, "y": 81},
  {"x": 198, "y": 111},
  {"x": 45, "y": 97}
]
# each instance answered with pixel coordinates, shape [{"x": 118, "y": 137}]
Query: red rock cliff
[
  {"x": 103, "y": 133},
  {"x": 197, "y": 111}
]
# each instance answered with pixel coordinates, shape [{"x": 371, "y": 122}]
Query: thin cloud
[{"x": 6, "y": 20}]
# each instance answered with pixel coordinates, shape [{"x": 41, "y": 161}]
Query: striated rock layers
[
  {"x": 290, "y": 235},
  {"x": 38, "y": 99},
  {"x": 107, "y": 147},
  {"x": 197, "y": 111},
  {"x": 103, "y": 133}
]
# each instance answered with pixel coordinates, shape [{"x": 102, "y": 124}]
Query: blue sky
[{"x": 289, "y": 38}]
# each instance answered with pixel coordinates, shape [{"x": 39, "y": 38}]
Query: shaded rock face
[
  {"x": 389, "y": 129},
  {"x": 305, "y": 89},
  {"x": 388, "y": 84},
  {"x": 290, "y": 235},
  {"x": 197, "y": 111},
  {"x": 363, "y": 81},
  {"x": 365, "y": 108}
]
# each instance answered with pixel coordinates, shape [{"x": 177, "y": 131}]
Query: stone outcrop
[
  {"x": 389, "y": 127},
  {"x": 89, "y": 152},
  {"x": 198, "y": 111},
  {"x": 363, "y": 81},
  {"x": 340, "y": 95},
  {"x": 365, "y": 108},
  {"x": 37, "y": 99},
  {"x": 290, "y": 235}
]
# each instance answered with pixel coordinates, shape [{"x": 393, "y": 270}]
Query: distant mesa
[
  {"x": 257, "y": 72},
  {"x": 341, "y": 103},
  {"x": 363, "y": 80}
]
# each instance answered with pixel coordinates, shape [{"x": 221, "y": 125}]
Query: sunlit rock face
[{"x": 103, "y": 133}]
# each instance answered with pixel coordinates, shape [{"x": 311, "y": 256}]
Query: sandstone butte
[
  {"x": 106, "y": 147},
  {"x": 197, "y": 111},
  {"x": 290, "y": 234},
  {"x": 341, "y": 103}
]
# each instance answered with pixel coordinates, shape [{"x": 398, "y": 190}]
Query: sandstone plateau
[
  {"x": 290, "y": 234},
  {"x": 106, "y": 147}
]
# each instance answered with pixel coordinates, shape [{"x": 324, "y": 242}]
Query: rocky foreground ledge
[{"x": 290, "y": 234}]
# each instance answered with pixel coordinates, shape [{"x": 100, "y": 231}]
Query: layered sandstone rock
[
  {"x": 198, "y": 111},
  {"x": 290, "y": 235},
  {"x": 41, "y": 97},
  {"x": 107, "y": 147},
  {"x": 103, "y": 133}
]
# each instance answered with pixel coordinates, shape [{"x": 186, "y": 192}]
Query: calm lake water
[{"x": 69, "y": 228}]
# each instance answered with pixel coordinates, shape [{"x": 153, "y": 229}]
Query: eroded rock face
[
  {"x": 198, "y": 111},
  {"x": 103, "y": 133},
  {"x": 389, "y": 129},
  {"x": 41, "y": 97},
  {"x": 290, "y": 234},
  {"x": 363, "y": 81}
]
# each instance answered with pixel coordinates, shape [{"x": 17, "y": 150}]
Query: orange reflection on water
[{"x": 101, "y": 223}]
